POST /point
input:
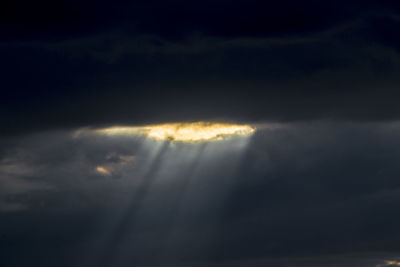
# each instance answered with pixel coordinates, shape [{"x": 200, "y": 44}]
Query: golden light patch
[
  {"x": 392, "y": 263},
  {"x": 102, "y": 170},
  {"x": 183, "y": 132},
  {"x": 389, "y": 263}
]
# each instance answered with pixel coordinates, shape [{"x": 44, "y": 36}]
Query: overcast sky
[{"x": 316, "y": 185}]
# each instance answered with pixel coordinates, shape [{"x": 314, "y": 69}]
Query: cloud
[
  {"x": 188, "y": 132},
  {"x": 338, "y": 260},
  {"x": 291, "y": 189},
  {"x": 179, "y": 18},
  {"x": 389, "y": 263},
  {"x": 17, "y": 181},
  {"x": 319, "y": 187},
  {"x": 115, "y": 77}
]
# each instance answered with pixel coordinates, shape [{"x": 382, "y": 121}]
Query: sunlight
[{"x": 190, "y": 132}]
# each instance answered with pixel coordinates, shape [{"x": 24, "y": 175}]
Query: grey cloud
[
  {"x": 292, "y": 189},
  {"x": 17, "y": 180},
  {"x": 316, "y": 185},
  {"x": 338, "y": 260}
]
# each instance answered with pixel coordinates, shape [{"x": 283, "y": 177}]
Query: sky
[{"x": 312, "y": 181}]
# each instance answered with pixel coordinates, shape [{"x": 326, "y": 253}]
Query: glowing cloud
[
  {"x": 102, "y": 170},
  {"x": 183, "y": 132},
  {"x": 393, "y": 263},
  {"x": 389, "y": 263}
]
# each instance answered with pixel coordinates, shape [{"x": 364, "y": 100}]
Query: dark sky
[
  {"x": 317, "y": 185},
  {"x": 70, "y": 64}
]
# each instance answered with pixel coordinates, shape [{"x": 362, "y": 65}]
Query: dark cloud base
[{"x": 308, "y": 194}]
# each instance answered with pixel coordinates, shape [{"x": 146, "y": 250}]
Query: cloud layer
[
  {"x": 298, "y": 189},
  {"x": 347, "y": 71}
]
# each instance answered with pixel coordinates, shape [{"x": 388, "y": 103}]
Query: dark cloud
[
  {"x": 48, "y": 20},
  {"x": 294, "y": 190},
  {"x": 348, "y": 72},
  {"x": 317, "y": 188},
  {"x": 151, "y": 62}
]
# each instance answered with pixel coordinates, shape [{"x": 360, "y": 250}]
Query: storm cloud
[
  {"x": 291, "y": 192},
  {"x": 317, "y": 183},
  {"x": 277, "y": 67}
]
